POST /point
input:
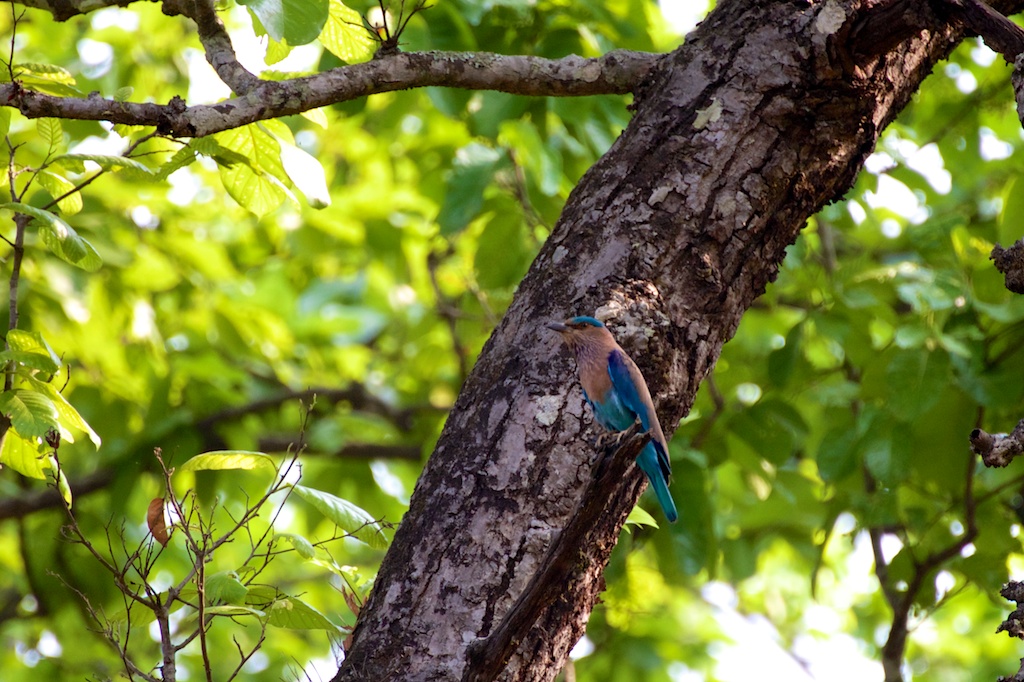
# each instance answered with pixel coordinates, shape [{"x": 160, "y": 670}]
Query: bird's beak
[{"x": 558, "y": 327}]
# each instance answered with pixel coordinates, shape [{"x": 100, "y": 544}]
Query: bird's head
[{"x": 580, "y": 331}]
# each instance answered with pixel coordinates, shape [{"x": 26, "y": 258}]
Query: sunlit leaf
[
  {"x": 317, "y": 116},
  {"x": 347, "y": 516},
  {"x": 258, "y": 182},
  {"x": 295, "y": 21},
  {"x": 66, "y": 412},
  {"x": 222, "y": 460},
  {"x": 24, "y": 455},
  {"x": 302, "y": 545},
  {"x": 58, "y": 186},
  {"x": 49, "y": 72},
  {"x": 225, "y": 587},
  {"x": 233, "y": 611},
  {"x": 51, "y": 132},
  {"x": 60, "y": 237},
  {"x": 31, "y": 412},
  {"x": 344, "y": 34},
  {"x": 31, "y": 342},
  {"x": 293, "y": 613},
  {"x": 307, "y": 173},
  {"x": 639, "y": 517},
  {"x": 57, "y": 478},
  {"x": 77, "y": 162}
]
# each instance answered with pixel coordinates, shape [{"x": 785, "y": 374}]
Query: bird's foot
[
  {"x": 607, "y": 440},
  {"x": 606, "y": 445}
]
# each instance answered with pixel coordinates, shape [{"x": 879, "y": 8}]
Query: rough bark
[
  {"x": 614, "y": 73},
  {"x": 762, "y": 117}
]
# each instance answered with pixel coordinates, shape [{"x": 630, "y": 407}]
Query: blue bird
[{"x": 616, "y": 391}]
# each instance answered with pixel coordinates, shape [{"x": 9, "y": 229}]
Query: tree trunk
[{"x": 764, "y": 115}]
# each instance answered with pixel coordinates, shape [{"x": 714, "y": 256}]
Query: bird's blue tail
[{"x": 649, "y": 464}]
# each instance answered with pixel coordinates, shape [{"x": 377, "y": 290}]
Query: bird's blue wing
[
  {"x": 624, "y": 382},
  {"x": 653, "y": 459}
]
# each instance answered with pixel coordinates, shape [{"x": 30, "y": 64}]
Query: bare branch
[
  {"x": 361, "y": 451},
  {"x": 23, "y": 505},
  {"x": 618, "y": 72},
  {"x": 998, "y": 450}
]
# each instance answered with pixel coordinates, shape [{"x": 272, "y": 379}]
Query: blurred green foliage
[{"x": 364, "y": 252}]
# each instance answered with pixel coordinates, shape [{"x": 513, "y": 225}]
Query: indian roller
[{"x": 617, "y": 393}]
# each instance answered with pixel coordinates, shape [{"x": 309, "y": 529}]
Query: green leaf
[
  {"x": 887, "y": 455},
  {"x": 233, "y": 611},
  {"x": 49, "y": 87},
  {"x": 32, "y": 361},
  {"x": 67, "y": 245},
  {"x": 60, "y": 237},
  {"x": 837, "y": 455},
  {"x": 55, "y": 475},
  {"x": 303, "y": 546},
  {"x": 65, "y": 411},
  {"x": 256, "y": 183},
  {"x": 782, "y": 361},
  {"x": 307, "y": 173},
  {"x": 122, "y": 94},
  {"x": 51, "y": 132},
  {"x": 916, "y": 379},
  {"x": 471, "y": 173},
  {"x": 640, "y": 517},
  {"x": 1011, "y": 218},
  {"x": 276, "y": 52},
  {"x": 503, "y": 255},
  {"x": 347, "y": 516},
  {"x": 295, "y": 614},
  {"x": 26, "y": 456},
  {"x": 225, "y": 587},
  {"x": 31, "y": 412},
  {"x": 76, "y": 162},
  {"x": 181, "y": 158},
  {"x": 221, "y": 460},
  {"x": 773, "y": 428},
  {"x": 344, "y": 34},
  {"x": 31, "y": 342},
  {"x": 316, "y": 116},
  {"x": 47, "y": 72},
  {"x": 57, "y": 186},
  {"x": 5, "y": 121},
  {"x": 295, "y": 21}
]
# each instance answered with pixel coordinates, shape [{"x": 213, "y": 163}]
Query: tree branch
[
  {"x": 998, "y": 450},
  {"x": 489, "y": 656},
  {"x": 360, "y": 451},
  {"x": 998, "y": 32},
  {"x": 618, "y": 72},
  {"x": 23, "y": 505},
  {"x": 216, "y": 43},
  {"x": 62, "y": 10},
  {"x": 888, "y": 24},
  {"x": 354, "y": 394}
]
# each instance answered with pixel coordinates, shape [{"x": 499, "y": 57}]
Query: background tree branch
[{"x": 617, "y": 72}]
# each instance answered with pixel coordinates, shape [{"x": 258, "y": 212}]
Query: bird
[{"x": 617, "y": 393}]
